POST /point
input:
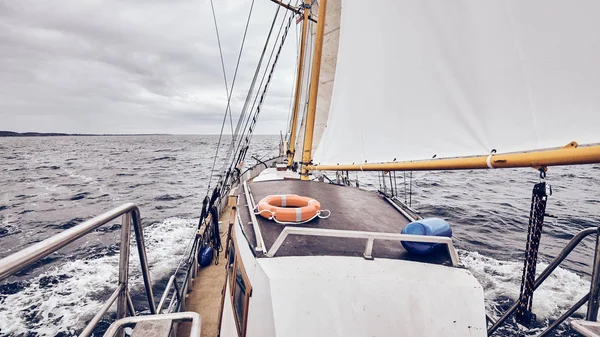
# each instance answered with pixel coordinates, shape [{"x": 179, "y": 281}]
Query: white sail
[
  {"x": 326, "y": 76},
  {"x": 417, "y": 79}
]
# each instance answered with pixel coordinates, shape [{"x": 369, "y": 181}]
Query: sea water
[{"x": 49, "y": 184}]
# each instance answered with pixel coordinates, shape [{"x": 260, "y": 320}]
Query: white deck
[{"x": 271, "y": 174}]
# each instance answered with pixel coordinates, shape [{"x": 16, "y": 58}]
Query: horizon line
[{"x": 6, "y": 133}]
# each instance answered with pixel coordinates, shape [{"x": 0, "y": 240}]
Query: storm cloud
[{"x": 135, "y": 66}]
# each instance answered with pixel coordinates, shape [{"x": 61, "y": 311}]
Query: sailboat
[{"x": 392, "y": 86}]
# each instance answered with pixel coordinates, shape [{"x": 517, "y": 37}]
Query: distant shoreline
[{"x": 56, "y": 134}]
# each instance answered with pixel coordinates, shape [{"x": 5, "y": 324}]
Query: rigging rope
[
  {"x": 251, "y": 90},
  {"x": 405, "y": 199},
  {"x": 228, "y": 92},
  {"x": 235, "y": 166},
  {"x": 237, "y": 65},
  {"x": 229, "y": 160},
  {"x": 249, "y": 128},
  {"x": 540, "y": 194},
  {"x": 410, "y": 192},
  {"x": 292, "y": 107},
  {"x": 210, "y": 205},
  {"x": 268, "y": 83}
]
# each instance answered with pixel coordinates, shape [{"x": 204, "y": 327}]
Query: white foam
[
  {"x": 68, "y": 305},
  {"x": 503, "y": 279}
]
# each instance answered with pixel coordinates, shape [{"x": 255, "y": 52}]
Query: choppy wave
[
  {"x": 502, "y": 280},
  {"x": 52, "y": 184}
]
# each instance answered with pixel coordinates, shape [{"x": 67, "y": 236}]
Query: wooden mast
[
  {"x": 568, "y": 155},
  {"x": 292, "y": 144},
  {"x": 314, "y": 90}
]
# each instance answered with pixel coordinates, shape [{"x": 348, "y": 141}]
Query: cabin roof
[
  {"x": 351, "y": 209},
  {"x": 342, "y": 296}
]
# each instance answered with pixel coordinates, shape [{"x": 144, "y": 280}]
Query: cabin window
[
  {"x": 241, "y": 290},
  {"x": 239, "y": 300},
  {"x": 231, "y": 263}
]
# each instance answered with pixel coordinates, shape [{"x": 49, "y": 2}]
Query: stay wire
[
  {"x": 251, "y": 90},
  {"x": 228, "y": 92},
  {"x": 257, "y": 73},
  {"x": 237, "y": 65},
  {"x": 254, "y": 117},
  {"x": 249, "y": 97},
  {"x": 292, "y": 107},
  {"x": 263, "y": 95}
]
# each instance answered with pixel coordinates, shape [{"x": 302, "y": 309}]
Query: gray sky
[{"x": 133, "y": 66}]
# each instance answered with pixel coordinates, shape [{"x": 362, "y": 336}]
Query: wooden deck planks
[{"x": 205, "y": 297}]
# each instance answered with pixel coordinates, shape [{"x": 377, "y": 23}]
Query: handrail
[
  {"x": 130, "y": 214},
  {"x": 92, "y": 324},
  {"x": 370, "y": 236},
  {"x": 260, "y": 243},
  {"x": 175, "y": 298},
  {"x": 23, "y": 258},
  {"x": 398, "y": 208},
  {"x": 575, "y": 240},
  {"x": 163, "y": 298}
]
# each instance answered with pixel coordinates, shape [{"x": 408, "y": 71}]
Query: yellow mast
[
  {"x": 314, "y": 90},
  {"x": 568, "y": 155},
  {"x": 292, "y": 145}
]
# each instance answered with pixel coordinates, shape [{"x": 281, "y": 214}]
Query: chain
[{"x": 536, "y": 221}]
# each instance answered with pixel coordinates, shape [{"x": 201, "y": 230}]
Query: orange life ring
[{"x": 288, "y": 208}]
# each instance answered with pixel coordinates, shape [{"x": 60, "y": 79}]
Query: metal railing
[
  {"x": 369, "y": 236},
  {"x": 592, "y": 296},
  {"x": 260, "y": 242},
  {"x": 172, "y": 284},
  {"x": 130, "y": 215}
]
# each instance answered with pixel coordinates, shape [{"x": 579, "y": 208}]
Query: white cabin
[{"x": 321, "y": 281}]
